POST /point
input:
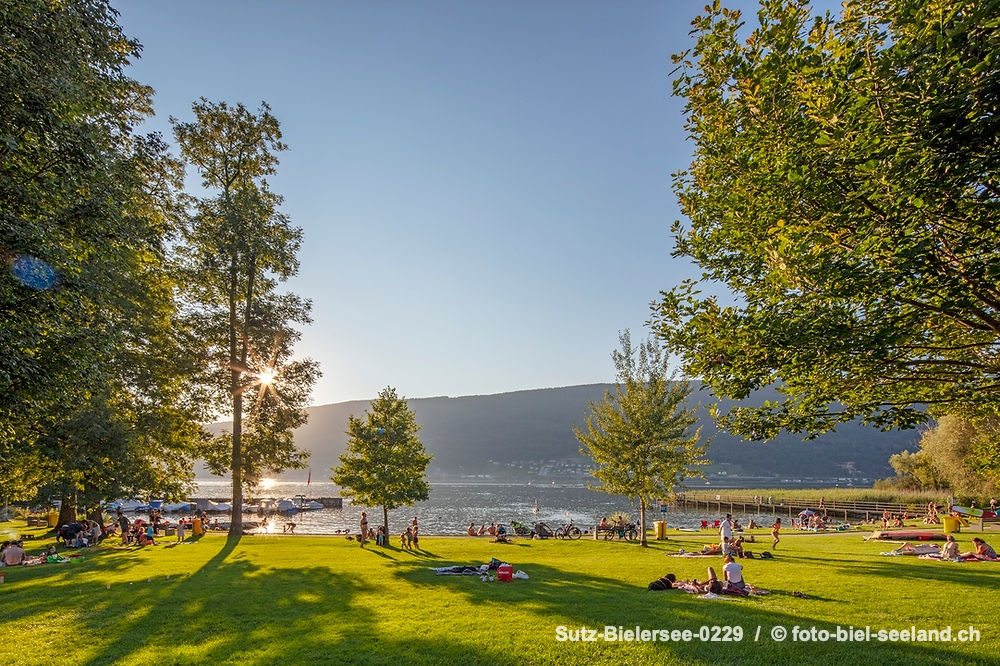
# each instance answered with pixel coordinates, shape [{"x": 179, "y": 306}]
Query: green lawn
[{"x": 306, "y": 600}]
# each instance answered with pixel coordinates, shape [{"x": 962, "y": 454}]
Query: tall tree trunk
[
  {"x": 236, "y": 522},
  {"x": 642, "y": 522},
  {"x": 236, "y": 511},
  {"x": 67, "y": 510}
]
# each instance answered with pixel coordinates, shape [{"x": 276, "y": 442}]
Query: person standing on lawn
[{"x": 364, "y": 528}]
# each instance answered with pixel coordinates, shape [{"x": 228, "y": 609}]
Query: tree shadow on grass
[
  {"x": 233, "y": 611},
  {"x": 573, "y": 599}
]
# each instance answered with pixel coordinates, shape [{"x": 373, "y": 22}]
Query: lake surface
[{"x": 452, "y": 506}]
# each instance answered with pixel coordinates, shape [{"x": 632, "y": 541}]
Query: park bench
[{"x": 982, "y": 524}]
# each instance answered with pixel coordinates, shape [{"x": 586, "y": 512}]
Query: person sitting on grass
[
  {"x": 732, "y": 571},
  {"x": 727, "y": 546},
  {"x": 482, "y": 530},
  {"x": 492, "y": 529},
  {"x": 13, "y": 554},
  {"x": 983, "y": 551},
  {"x": 950, "y": 549},
  {"x": 472, "y": 529}
]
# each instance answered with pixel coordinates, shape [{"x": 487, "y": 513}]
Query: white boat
[
  {"x": 178, "y": 507},
  {"x": 126, "y": 505},
  {"x": 310, "y": 506}
]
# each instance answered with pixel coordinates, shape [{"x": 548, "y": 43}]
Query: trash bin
[
  {"x": 951, "y": 524},
  {"x": 196, "y": 527},
  {"x": 660, "y": 527},
  {"x": 53, "y": 519}
]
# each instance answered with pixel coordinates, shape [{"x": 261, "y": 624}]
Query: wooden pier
[{"x": 785, "y": 506}]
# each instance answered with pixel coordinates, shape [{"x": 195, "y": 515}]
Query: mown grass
[{"x": 323, "y": 600}]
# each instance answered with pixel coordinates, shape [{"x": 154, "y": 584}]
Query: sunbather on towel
[
  {"x": 919, "y": 549},
  {"x": 983, "y": 551}
]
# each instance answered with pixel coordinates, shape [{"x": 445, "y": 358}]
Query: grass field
[{"x": 323, "y": 600}]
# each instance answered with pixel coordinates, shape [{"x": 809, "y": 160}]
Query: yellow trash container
[
  {"x": 53, "y": 519},
  {"x": 660, "y": 527},
  {"x": 196, "y": 527},
  {"x": 951, "y": 524}
]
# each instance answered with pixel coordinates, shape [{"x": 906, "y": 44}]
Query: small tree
[
  {"x": 639, "y": 436},
  {"x": 385, "y": 461}
]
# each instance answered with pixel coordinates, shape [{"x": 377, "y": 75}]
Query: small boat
[
  {"x": 125, "y": 505},
  {"x": 178, "y": 507}
]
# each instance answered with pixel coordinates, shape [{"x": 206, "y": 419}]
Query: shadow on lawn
[
  {"x": 235, "y": 611},
  {"x": 564, "y": 598}
]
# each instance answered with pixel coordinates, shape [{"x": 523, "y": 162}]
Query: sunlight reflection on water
[{"x": 452, "y": 506}]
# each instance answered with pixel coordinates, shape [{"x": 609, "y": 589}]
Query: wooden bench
[{"x": 982, "y": 524}]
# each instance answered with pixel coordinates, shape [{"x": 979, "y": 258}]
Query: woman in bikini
[{"x": 775, "y": 529}]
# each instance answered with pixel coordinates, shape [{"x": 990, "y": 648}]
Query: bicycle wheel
[
  {"x": 631, "y": 535},
  {"x": 560, "y": 533},
  {"x": 574, "y": 533},
  {"x": 609, "y": 535}
]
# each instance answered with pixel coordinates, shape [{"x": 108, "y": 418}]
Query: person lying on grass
[
  {"x": 983, "y": 551},
  {"x": 919, "y": 549}
]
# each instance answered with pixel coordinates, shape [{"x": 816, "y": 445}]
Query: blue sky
[{"x": 484, "y": 186}]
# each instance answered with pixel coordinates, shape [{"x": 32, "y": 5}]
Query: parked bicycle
[
  {"x": 569, "y": 531},
  {"x": 626, "y": 533}
]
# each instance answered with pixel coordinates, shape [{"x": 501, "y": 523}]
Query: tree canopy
[
  {"x": 639, "y": 436},
  {"x": 238, "y": 248},
  {"x": 385, "y": 463},
  {"x": 844, "y": 187},
  {"x": 87, "y": 215}
]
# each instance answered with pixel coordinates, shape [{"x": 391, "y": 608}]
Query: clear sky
[{"x": 484, "y": 186}]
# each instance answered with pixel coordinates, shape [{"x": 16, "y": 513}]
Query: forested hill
[{"x": 536, "y": 425}]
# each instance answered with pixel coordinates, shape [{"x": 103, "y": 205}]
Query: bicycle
[
  {"x": 627, "y": 533},
  {"x": 569, "y": 531}
]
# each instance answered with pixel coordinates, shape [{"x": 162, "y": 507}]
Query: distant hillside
[{"x": 464, "y": 433}]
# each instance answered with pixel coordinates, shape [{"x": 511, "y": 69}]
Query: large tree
[
  {"x": 845, "y": 188},
  {"x": 385, "y": 463},
  {"x": 640, "y": 436},
  {"x": 86, "y": 217},
  {"x": 238, "y": 247}
]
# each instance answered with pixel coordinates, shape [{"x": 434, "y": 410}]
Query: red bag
[{"x": 505, "y": 572}]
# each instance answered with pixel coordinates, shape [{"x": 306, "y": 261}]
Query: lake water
[{"x": 452, "y": 506}]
